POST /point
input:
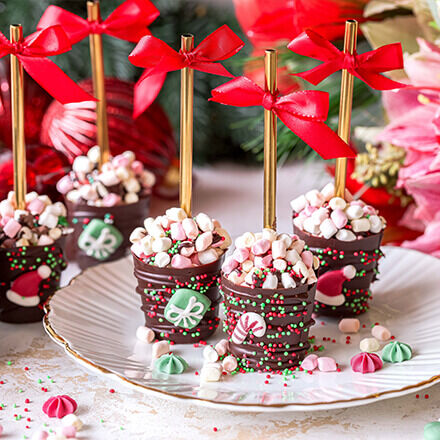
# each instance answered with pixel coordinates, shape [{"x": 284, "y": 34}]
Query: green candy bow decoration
[
  {"x": 396, "y": 351},
  {"x": 99, "y": 239},
  {"x": 170, "y": 364},
  {"x": 186, "y": 308}
]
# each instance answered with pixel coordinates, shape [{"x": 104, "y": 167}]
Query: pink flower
[{"x": 415, "y": 126}]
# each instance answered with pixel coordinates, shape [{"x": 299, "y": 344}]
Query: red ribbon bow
[
  {"x": 32, "y": 53},
  {"x": 367, "y": 66},
  {"x": 302, "y": 112},
  {"x": 128, "y": 21},
  {"x": 158, "y": 58}
]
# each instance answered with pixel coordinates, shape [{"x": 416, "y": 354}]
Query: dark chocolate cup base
[
  {"x": 156, "y": 286},
  {"x": 18, "y": 261},
  {"x": 363, "y": 254},
  {"x": 125, "y": 218},
  {"x": 288, "y": 317}
]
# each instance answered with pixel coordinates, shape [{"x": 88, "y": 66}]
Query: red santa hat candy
[
  {"x": 330, "y": 285},
  {"x": 25, "y": 289}
]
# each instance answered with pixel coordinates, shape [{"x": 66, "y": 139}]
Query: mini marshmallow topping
[
  {"x": 121, "y": 180},
  {"x": 41, "y": 223},
  {"x": 322, "y": 215},
  {"x": 269, "y": 260},
  {"x": 175, "y": 240}
]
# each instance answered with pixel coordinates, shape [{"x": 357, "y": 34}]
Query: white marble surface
[{"x": 234, "y": 196}]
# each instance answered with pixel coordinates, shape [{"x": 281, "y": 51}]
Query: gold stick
[
  {"x": 345, "y": 107},
  {"x": 18, "y": 141},
  {"x": 93, "y": 14},
  {"x": 186, "y": 127},
  {"x": 270, "y": 143}
]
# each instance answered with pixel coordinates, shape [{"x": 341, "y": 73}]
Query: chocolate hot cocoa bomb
[
  {"x": 269, "y": 285},
  {"x": 177, "y": 263},
  {"x": 31, "y": 257},
  {"x": 104, "y": 206},
  {"x": 346, "y": 236}
]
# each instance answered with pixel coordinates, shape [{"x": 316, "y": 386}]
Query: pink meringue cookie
[
  {"x": 59, "y": 406},
  {"x": 366, "y": 363},
  {"x": 310, "y": 362}
]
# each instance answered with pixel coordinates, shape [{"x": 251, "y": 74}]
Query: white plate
[{"x": 96, "y": 316}]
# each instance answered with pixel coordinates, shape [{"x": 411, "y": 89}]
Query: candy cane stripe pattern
[{"x": 247, "y": 322}]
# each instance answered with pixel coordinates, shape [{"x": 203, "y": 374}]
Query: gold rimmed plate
[{"x": 95, "y": 319}]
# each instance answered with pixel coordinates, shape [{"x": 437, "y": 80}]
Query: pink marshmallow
[
  {"x": 310, "y": 362},
  {"x": 307, "y": 258},
  {"x": 369, "y": 210},
  {"x": 111, "y": 199},
  {"x": 309, "y": 210},
  {"x": 12, "y": 228},
  {"x": 181, "y": 262},
  {"x": 229, "y": 363},
  {"x": 45, "y": 240},
  {"x": 263, "y": 262},
  {"x": 4, "y": 220},
  {"x": 229, "y": 265},
  {"x": 190, "y": 228},
  {"x": 120, "y": 161},
  {"x": 349, "y": 325},
  {"x": 195, "y": 260},
  {"x": 380, "y": 332},
  {"x": 137, "y": 167},
  {"x": 327, "y": 364},
  {"x": 177, "y": 232},
  {"x": 339, "y": 218},
  {"x": 222, "y": 347},
  {"x": 187, "y": 251},
  {"x": 64, "y": 185},
  {"x": 261, "y": 247},
  {"x": 241, "y": 254},
  {"x": 41, "y": 435},
  {"x": 69, "y": 431},
  {"x": 37, "y": 206}
]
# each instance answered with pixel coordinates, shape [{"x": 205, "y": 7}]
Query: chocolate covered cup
[
  {"x": 29, "y": 275},
  {"x": 363, "y": 253},
  {"x": 288, "y": 316},
  {"x": 180, "y": 305},
  {"x": 101, "y": 234}
]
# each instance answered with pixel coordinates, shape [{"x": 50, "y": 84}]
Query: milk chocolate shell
[
  {"x": 171, "y": 310},
  {"x": 101, "y": 234},
  {"x": 28, "y": 276},
  {"x": 334, "y": 254},
  {"x": 288, "y": 317}
]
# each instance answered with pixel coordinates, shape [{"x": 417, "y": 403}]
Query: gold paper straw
[
  {"x": 270, "y": 143},
  {"x": 345, "y": 107},
  {"x": 18, "y": 141},
  {"x": 93, "y": 14},
  {"x": 186, "y": 128}
]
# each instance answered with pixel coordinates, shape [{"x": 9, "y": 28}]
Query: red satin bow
[
  {"x": 302, "y": 112},
  {"x": 128, "y": 21},
  {"x": 158, "y": 58},
  {"x": 32, "y": 53},
  {"x": 367, "y": 66}
]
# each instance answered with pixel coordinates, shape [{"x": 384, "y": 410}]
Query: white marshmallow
[
  {"x": 94, "y": 153},
  {"x": 299, "y": 203},
  {"x": 59, "y": 209},
  {"x": 271, "y": 282},
  {"x": 236, "y": 278},
  {"x": 156, "y": 230},
  {"x": 147, "y": 244},
  {"x": 82, "y": 164},
  {"x": 328, "y": 228},
  {"x": 287, "y": 281},
  {"x": 204, "y": 222},
  {"x": 286, "y": 238},
  {"x": 203, "y": 241},
  {"x": 145, "y": 334},
  {"x": 248, "y": 265},
  {"x": 292, "y": 256},
  {"x": 299, "y": 222},
  {"x": 319, "y": 216},
  {"x": 354, "y": 212},
  {"x": 137, "y": 234},
  {"x": 315, "y": 198},
  {"x": 29, "y": 197},
  {"x": 162, "y": 259},
  {"x": 345, "y": 235},
  {"x": 279, "y": 264},
  {"x": 19, "y": 212},
  {"x": 131, "y": 197},
  {"x": 129, "y": 155},
  {"x": 72, "y": 420},
  {"x": 108, "y": 178},
  {"x": 360, "y": 225},
  {"x": 87, "y": 192},
  {"x": 375, "y": 224},
  {"x": 209, "y": 373},
  {"x": 122, "y": 174},
  {"x": 337, "y": 203},
  {"x": 208, "y": 256},
  {"x": 147, "y": 179},
  {"x": 309, "y": 226},
  {"x": 190, "y": 227},
  {"x": 159, "y": 349},
  {"x": 161, "y": 244},
  {"x": 73, "y": 196},
  {"x": 47, "y": 219},
  {"x": 328, "y": 191},
  {"x": 132, "y": 185},
  {"x": 246, "y": 240},
  {"x": 301, "y": 269},
  {"x": 210, "y": 354},
  {"x": 176, "y": 214},
  {"x": 278, "y": 249},
  {"x": 269, "y": 234}
]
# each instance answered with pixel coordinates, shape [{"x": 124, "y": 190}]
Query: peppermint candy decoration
[
  {"x": 186, "y": 308},
  {"x": 247, "y": 322}
]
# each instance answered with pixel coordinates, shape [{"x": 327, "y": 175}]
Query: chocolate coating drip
[
  {"x": 17, "y": 261},
  {"x": 288, "y": 316},
  {"x": 126, "y": 217},
  {"x": 157, "y": 285},
  {"x": 364, "y": 254}
]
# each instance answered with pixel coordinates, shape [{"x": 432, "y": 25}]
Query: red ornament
[
  {"x": 71, "y": 128},
  {"x": 36, "y": 101}
]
